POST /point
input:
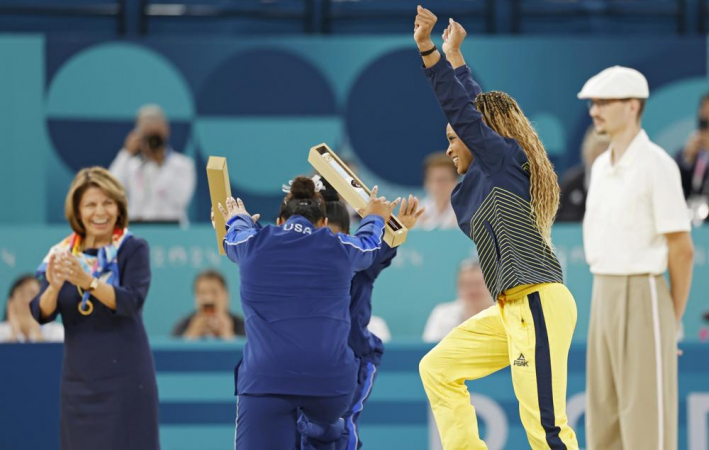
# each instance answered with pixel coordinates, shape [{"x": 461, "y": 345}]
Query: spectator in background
[
  {"x": 439, "y": 179},
  {"x": 693, "y": 161},
  {"x": 574, "y": 182},
  {"x": 159, "y": 181},
  {"x": 473, "y": 297},
  {"x": 212, "y": 317},
  {"x": 378, "y": 326},
  {"x": 19, "y": 325}
]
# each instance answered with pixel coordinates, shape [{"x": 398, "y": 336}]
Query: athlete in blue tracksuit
[
  {"x": 367, "y": 347},
  {"x": 295, "y": 282}
]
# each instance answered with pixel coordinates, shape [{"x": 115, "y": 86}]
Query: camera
[{"x": 154, "y": 141}]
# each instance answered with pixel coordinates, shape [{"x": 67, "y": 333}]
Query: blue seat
[
  {"x": 592, "y": 16},
  {"x": 702, "y": 13},
  {"x": 396, "y": 16},
  {"x": 91, "y": 16},
  {"x": 227, "y": 16}
]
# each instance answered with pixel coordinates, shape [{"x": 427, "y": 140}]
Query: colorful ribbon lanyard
[{"x": 86, "y": 306}]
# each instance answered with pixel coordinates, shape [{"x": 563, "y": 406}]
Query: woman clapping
[{"x": 98, "y": 279}]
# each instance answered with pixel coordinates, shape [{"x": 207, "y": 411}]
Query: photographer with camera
[
  {"x": 212, "y": 317},
  {"x": 693, "y": 161},
  {"x": 159, "y": 181}
]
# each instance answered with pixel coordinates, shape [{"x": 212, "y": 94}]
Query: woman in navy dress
[{"x": 98, "y": 279}]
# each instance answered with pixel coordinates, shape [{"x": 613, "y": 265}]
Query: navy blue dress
[{"x": 109, "y": 397}]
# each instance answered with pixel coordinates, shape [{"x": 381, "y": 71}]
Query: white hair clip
[
  {"x": 319, "y": 185},
  {"x": 317, "y": 179}
]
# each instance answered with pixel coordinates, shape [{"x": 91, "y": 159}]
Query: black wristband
[{"x": 428, "y": 52}]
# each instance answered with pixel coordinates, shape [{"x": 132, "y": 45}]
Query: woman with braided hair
[{"x": 506, "y": 204}]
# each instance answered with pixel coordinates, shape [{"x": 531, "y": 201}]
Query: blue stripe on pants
[
  {"x": 236, "y": 422},
  {"x": 351, "y": 422},
  {"x": 543, "y": 368}
]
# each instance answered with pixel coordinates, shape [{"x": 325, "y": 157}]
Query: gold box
[
  {"x": 351, "y": 189},
  {"x": 219, "y": 191}
]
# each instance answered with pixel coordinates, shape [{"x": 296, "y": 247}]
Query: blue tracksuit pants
[
  {"x": 269, "y": 422},
  {"x": 350, "y": 439}
]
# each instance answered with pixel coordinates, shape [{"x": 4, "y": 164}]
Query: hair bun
[
  {"x": 302, "y": 187},
  {"x": 329, "y": 193}
]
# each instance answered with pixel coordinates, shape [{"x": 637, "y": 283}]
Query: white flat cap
[{"x": 616, "y": 82}]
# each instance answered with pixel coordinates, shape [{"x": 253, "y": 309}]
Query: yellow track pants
[{"x": 530, "y": 328}]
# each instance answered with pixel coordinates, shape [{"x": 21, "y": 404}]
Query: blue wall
[
  {"x": 429, "y": 258},
  {"x": 68, "y": 102},
  {"x": 197, "y": 408}
]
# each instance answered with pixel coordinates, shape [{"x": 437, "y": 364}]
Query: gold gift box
[
  {"x": 351, "y": 189},
  {"x": 219, "y": 191}
]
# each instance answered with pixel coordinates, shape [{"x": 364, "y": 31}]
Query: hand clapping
[
  {"x": 379, "y": 206},
  {"x": 409, "y": 212},
  {"x": 66, "y": 267}
]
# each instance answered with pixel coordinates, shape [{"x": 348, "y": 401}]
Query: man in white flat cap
[{"x": 636, "y": 227}]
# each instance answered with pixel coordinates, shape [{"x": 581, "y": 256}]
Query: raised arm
[
  {"x": 409, "y": 213},
  {"x": 363, "y": 248},
  {"x": 120, "y": 165},
  {"x": 453, "y": 37},
  {"x": 487, "y": 146},
  {"x": 241, "y": 228}
]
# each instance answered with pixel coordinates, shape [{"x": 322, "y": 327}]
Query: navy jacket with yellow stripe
[{"x": 492, "y": 202}]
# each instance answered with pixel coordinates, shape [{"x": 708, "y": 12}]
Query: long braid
[{"x": 502, "y": 113}]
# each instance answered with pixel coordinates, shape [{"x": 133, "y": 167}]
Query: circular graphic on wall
[
  {"x": 92, "y": 101},
  {"x": 394, "y": 117},
  {"x": 264, "y": 109}
]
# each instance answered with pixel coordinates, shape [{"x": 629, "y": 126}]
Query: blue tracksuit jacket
[
  {"x": 367, "y": 346},
  {"x": 295, "y": 293}
]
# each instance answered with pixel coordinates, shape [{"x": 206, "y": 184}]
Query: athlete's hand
[
  {"x": 235, "y": 207},
  {"x": 423, "y": 26},
  {"x": 409, "y": 213},
  {"x": 379, "y": 206},
  {"x": 453, "y": 37}
]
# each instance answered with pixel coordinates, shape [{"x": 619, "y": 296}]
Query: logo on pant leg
[{"x": 521, "y": 361}]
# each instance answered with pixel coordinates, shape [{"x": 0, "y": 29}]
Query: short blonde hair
[
  {"x": 439, "y": 159},
  {"x": 102, "y": 179},
  {"x": 150, "y": 112}
]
